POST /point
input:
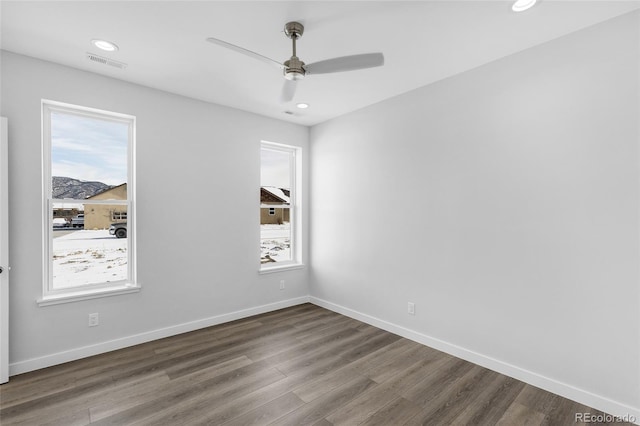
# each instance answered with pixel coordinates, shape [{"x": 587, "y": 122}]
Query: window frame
[
  {"x": 51, "y": 296},
  {"x": 294, "y": 207}
]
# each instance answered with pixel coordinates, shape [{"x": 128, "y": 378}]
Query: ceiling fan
[{"x": 294, "y": 69}]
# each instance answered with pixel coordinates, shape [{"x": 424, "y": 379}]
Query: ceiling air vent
[{"x": 106, "y": 61}]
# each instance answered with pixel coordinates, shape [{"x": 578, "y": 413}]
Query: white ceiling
[{"x": 163, "y": 43}]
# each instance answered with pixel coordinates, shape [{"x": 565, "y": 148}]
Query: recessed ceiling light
[
  {"x": 302, "y": 105},
  {"x": 522, "y": 5},
  {"x": 104, "y": 45}
]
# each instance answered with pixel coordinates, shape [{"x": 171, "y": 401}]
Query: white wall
[
  {"x": 196, "y": 268},
  {"x": 504, "y": 203}
]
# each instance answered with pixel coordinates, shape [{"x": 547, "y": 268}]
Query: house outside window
[
  {"x": 279, "y": 206},
  {"x": 88, "y": 172}
]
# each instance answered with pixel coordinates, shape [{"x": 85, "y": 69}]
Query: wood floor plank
[
  {"x": 326, "y": 328},
  {"x": 207, "y": 336},
  {"x": 268, "y": 412},
  {"x": 318, "y": 409},
  {"x": 390, "y": 363},
  {"x": 327, "y": 382},
  {"x": 126, "y": 395},
  {"x": 73, "y": 398},
  {"x": 333, "y": 379},
  {"x": 189, "y": 365},
  {"x": 27, "y": 387},
  {"x": 118, "y": 400},
  {"x": 222, "y": 386},
  {"x": 195, "y": 404},
  {"x": 235, "y": 343},
  {"x": 329, "y": 336},
  {"x": 75, "y": 418},
  {"x": 492, "y": 402},
  {"x": 536, "y": 399},
  {"x": 518, "y": 414},
  {"x": 445, "y": 406},
  {"x": 394, "y": 352},
  {"x": 300, "y": 365},
  {"x": 417, "y": 372},
  {"x": 318, "y": 368},
  {"x": 362, "y": 407},
  {"x": 288, "y": 317},
  {"x": 308, "y": 319},
  {"x": 276, "y": 350},
  {"x": 370, "y": 345},
  {"x": 22, "y": 392},
  {"x": 397, "y": 412},
  {"x": 315, "y": 328},
  {"x": 224, "y": 411},
  {"x": 437, "y": 381},
  {"x": 318, "y": 352},
  {"x": 310, "y": 353},
  {"x": 561, "y": 408}
]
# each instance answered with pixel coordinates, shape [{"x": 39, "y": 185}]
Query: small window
[
  {"x": 119, "y": 215},
  {"x": 88, "y": 180},
  {"x": 279, "y": 209}
]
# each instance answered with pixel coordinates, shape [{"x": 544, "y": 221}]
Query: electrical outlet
[
  {"x": 281, "y": 284},
  {"x": 94, "y": 320},
  {"x": 411, "y": 308}
]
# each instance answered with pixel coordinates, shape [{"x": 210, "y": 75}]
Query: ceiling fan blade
[
  {"x": 288, "y": 91},
  {"x": 245, "y": 52},
  {"x": 346, "y": 63}
]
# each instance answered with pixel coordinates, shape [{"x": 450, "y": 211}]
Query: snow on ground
[
  {"x": 88, "y": 257},
  {"x": 275, "y": 242}
]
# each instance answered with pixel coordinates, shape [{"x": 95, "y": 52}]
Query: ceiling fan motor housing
[{"x": 294, "y": 69}]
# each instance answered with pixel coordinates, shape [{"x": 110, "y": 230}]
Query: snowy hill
[{"x": 65, "y": 187}]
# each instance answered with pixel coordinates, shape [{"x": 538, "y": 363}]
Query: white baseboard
[
  {"x": 136, "y": 339},
  {"x": 579, "y": 395}
]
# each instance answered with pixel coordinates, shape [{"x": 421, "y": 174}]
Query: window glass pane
[
  {"x": 275, "y": 236},
  {"x": 84, "y": 252},
  {"x": 275, "y": 170},
  {"x": 275, "y": 200},
  {"x": 88, "y": 155}
]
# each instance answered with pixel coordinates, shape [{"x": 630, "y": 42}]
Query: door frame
[{"x": 4, "y": 252}]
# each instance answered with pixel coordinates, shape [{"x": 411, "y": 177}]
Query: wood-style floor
[{"x": 297, "y": 366}]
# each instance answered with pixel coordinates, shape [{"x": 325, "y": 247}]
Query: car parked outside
[
  {"x": 118, "y": 229},
  {"x": 78, "y": 221},
  {"x": 60, "y": 222}
]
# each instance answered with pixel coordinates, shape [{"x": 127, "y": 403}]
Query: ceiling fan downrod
[{"x": 294, "y": 67}]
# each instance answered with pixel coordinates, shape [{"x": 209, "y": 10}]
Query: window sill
[
  {"x": 280, "y": 268},
  {"x": 80, "y": 295}
]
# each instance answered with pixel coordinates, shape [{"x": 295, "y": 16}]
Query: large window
[
  {"x": 279, "y": 206},
  {"x": 88, "y": 188}
]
